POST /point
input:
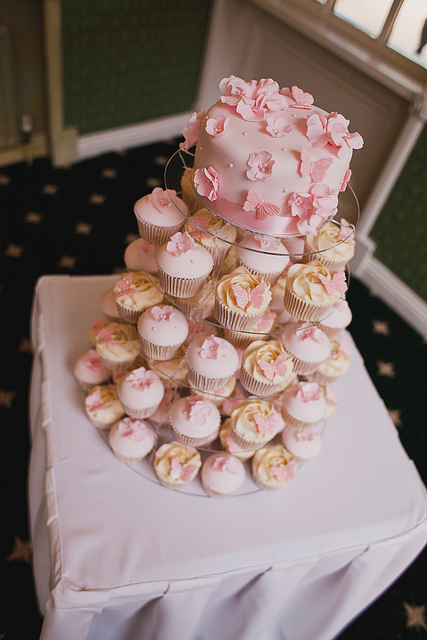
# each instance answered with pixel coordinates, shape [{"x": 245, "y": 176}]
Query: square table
[{"x": 119, "y": 557}]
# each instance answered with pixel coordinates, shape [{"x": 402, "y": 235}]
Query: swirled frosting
[
  {"x": 136, "y": 290},
  {"x": 243, "y": 292},
  {"x": 176, "y": 464},
  {"x": 274, "y": 466},
  {"x": 103, "y": 404},
  {"x": 117, "y": 341},
  {"x": 306, "y": 282},
  {"x": 334, "y": 242},
  {"x": 256, "y": 421},
  {"x": 339, "y": 360},
  {"x": 267, "y": 361}
]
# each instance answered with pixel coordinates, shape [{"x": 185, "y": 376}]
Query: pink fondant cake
[{"x": 268, "y": 160}]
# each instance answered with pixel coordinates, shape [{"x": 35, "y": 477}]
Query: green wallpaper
[
  {"x": 400, "y": 231},
  {"x": 128, "y": 61}
]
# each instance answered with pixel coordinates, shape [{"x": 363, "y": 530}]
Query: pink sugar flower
[
  {"x": 206, "y": 182},
  {"x": 133, "y": 429},
  {"x": 278, "y": 127},
  {"x": 163, "y": 314},
  {"x": 161, "y": 199},
  {"x": 309, "y": 332},
  {"x": 216, "y": 126},
  {"x": 225, "y": 464},
  {"x": 261, "y": 166},
  {"x": 94, "y": 400},
  {"x": 142, "y": 378},
  {"x": 333, "y": 130},
  {"x": 308, "y": 391},
  {"x": 197, "y": 411},
  {"x": 125, "y": 285},
  {"x": 212, "y": 348},
  {"x": 346, "y": 180},
  {"x": 180, "y": 243},
  {"x": 92, "y": 359},
  {"x": 191, "y": 130},
  {"x": 106, "y": 335}
]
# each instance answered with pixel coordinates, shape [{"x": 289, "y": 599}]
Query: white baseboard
[
  {"x": 395, "y": 293},
  {"x": 95, "y": 144}
]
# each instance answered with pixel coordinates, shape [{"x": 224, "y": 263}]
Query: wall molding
[
  {"x": 94, "y": 144},
  {"x": 397, "y": 295}
]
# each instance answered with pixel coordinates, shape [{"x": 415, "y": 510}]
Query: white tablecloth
[{"x": 118, "y": 557}]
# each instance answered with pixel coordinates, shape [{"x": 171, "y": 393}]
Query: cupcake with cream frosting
[
  {"x": 273, "y": 467},
  {"x": 229, "y": 444},
  {"x": 134, "y": 292},
  {"x": 241, "y": 339},
  {"x": 98, "y": 324},
  {"x": 183, "y": 266},
  {"x": 140, "y": 392},
  {"x": 303, "y": 405},
  {"x": 211, "y": 362},
  {"x": 117, "y": 345},
  {"x": 131, "y": 439},
  {"x": 217, "y": 396},
  {"x": 267, "y": 368},
  {"x": 159, "y": 215},
  {"x": 264, "y": 256},
  {"x": 254, "y": 423},
  {"x": 309, "y": 347},
  {"x": 195, "y": 420},
  {"x": 176, "y": 464},
  {"x": 213, "y": 234},
  {"x": 311, "y": 289},
  {"x": 89, "y": 370},
  {"x": 222, "y": 475},
  {"x": 336, "y": 365},
  {"x": 162, "y": 330},
  {"x": 140, "y": 255},
  {"x": 103, "y": 406},
  {"x": 333, "y": 245},
  {"x": 241, "y": 299}
]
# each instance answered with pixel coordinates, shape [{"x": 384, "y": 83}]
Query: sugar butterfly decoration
[
  {"x": 316, "y": 170},
  {"x": 270, "y": 369},
  {"x": 244, "y": 298},
  {"x": 336, "y": 283},
  {"x": 179, "y": 471},
  {"x": 262, "y": 209}
]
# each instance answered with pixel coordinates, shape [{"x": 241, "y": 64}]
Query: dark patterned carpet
[{"x": 79, "y": 221}]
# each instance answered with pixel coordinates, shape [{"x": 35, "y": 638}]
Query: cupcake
[
  {"x": 336, "y": 365},
  {"x": 162, "y": 330},
  {"x": 273, "y": 467},
  {"x": 311, "y": 289},
  {"x": 303, "y": 444},
  {"x": 201, "y": 304},
  {"x": 131, "y": 439},
  {"x": 195, "y": 421},
  {"x": 333, "y": 245},
  {"x": 160, "y": 418},
  {"x": 213, "y": 234},
  {"x": 211, "y": 362},
  {"x": 222, "y": 475},
  {"x": 172, "y": 372},
  {"x": 266, "y": 368},
  {"x": 241, "y": 299},
  {"x": 140, "y": 392},
  {"x": 176, "y": 464},
  {"x": 308, "y": 346},
  {"x": 134, "y": 292},
  {"x": 303, "y": 405},
  {"x": 140, "y": 255},
  {"x": 109, "y": 307},
  {"x": 117, "y": 345},
  {"x": 254, "y": 423},
  {"x": 229, "y": 445},
  {"x": 89, "y": 370},
  {"x": 337, "y": 318},
  {"x": 183, "y": 266},
  {"x": 159, "y": 215},
  {"x": 241, "y": 339},
  {"x": 103, "y": 407},
  {"x": 264, "y": 256},
  {"x": 283, "y": 317}
]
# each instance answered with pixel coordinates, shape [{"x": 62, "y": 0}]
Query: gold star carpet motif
[
  {"x": 416, "y": 616},
  {"x": 21, "y": 551}
]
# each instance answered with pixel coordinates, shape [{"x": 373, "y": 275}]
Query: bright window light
[{"x": 366, "y": 15}]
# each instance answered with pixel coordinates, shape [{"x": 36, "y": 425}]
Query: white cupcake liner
[
  {"x": 104, "y": 426},
  {"x": 180, "y": 287},
  {"x": 230, "y": 319},
  {"x": 156, "y": 351},
  {"x": 294, "y": 423},
  {"x": 301, "y": 309},
  {"x": 331, "y": 332},
  {"x": 88, "y": 386},
  {"x": 214, "y": 494},
  {"x": 203, "y": 382},
  {"x": 194, "y": 442},
  {"x": 266, "y": 487},
  {"x": 248, "y": 445},
  {"x": 130, "y": 316},
  {"x": 321, "y": 379},
  {"x": 304, "y": 368},
  {"x": 257, "y": 387},
  {"x": 134, "y": 412},
  {"x": 157, "y": 235},
  {"x": 240, "y": 339},
  {"x": 117, "y": 365}
]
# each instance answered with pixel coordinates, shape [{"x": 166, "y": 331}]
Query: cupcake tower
[{"x": 217, "y": 359}]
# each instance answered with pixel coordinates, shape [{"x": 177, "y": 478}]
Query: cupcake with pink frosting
[
  {"x": 264, "y": 256},
  {"x": 183, "y": 266},
  {"x": 140, "y": 392},
  {"x": 195, "y": 420},
  {"x": 211, "y": 362},
  {"x": 304, "y": 444},
  {"x": 303, "y": 405},
  {"x": 131, "y": 439},
  {"x": 159, "y": 215},
  {"x": 222, "y": 475},
  {"x": 309, "y": 347},
  {"x": 140, "y": 255},
  {"x": 162, "y": 330},
  {"x": 336, "y": 319},
  {"x": 89, "y": 370}
]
